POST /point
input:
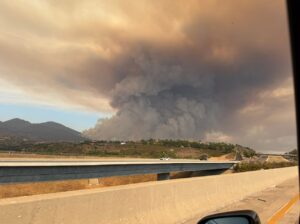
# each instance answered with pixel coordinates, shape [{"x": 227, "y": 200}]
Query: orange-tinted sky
[{"x": 211, "y": 70}]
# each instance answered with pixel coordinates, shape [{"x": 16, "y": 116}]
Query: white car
[{"x": 165, "y": 158}]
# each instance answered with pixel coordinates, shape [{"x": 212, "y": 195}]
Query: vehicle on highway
[{"x": 165, "y": 158}]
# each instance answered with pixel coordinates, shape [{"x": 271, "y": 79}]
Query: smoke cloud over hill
[{"x": 209, "y": 70}]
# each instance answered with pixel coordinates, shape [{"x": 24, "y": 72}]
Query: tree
[{"x": 203, "y": 157}]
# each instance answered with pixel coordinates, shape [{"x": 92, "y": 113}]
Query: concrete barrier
[{"x": 172, "y": 201}]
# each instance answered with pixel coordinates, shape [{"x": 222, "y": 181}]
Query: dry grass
[
  {"x": 226, "y": 157},
  {"x": 16, "y": 190},
  {"x": 188, "y": 153},
  {"x": 276, "y": 159},
  {"x": 16, "y": 155},
  {"x": 123, "y": 180}
]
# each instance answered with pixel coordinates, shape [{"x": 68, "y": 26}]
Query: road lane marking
[{"x": 283, "y": 210}]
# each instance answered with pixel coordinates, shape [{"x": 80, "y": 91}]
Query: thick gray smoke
[
  {"x": 199, "y": 84},
  {"x": 162, "y": 98},
  {"x": 202, "y": 70},
  {"x": 186, "y": 92},
  {"x": 196, "y": 86}
]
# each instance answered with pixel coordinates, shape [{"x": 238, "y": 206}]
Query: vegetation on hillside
[
  {"x": 141, "y": 149},
  {"x": 293, "y": 152}
]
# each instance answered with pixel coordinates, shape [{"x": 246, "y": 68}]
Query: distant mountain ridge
[{"x": 47, "y": 131}]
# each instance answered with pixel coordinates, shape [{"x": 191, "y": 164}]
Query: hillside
[
  {"x": 45, "y": 132},
  {"x": 138, "y": 149}
]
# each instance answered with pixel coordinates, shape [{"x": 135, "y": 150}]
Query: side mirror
[{"x": 234, "y": 217}]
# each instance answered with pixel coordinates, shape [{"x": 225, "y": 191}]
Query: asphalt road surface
[
  {"x": 76, "y": 162},
  {"x": 278, "y": 204}
]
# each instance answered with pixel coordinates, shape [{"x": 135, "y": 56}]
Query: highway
[
  {"x": 35, "y": 170},
  {"x": 91, "y": 162},
  {"x": 174, "y": 201},
  {"x": 273, "y": 205},
  {"x": 269, "y": 203}
]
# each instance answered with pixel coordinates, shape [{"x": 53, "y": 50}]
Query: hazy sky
[{"x": 211, "y": 70}]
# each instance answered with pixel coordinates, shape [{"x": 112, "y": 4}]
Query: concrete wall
[{"x": 170, "y": 201}]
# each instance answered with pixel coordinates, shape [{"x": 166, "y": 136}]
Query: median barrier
[{"x": 171, "y": 201}]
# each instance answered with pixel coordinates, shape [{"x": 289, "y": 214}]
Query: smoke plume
[{"x": 202, "y": 70}]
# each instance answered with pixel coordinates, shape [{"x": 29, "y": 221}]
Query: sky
[
  {"x": 203, "y": 70},
  {"x": 16, "y": 103}
]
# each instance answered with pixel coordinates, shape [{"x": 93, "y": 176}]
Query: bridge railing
[{"x": 20, "y": 172}]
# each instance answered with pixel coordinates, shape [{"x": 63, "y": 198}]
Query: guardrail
[
  {"x": 28, "y": 171},
  {"x": 162, "y": 202}
]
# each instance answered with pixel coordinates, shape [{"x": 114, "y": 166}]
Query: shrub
[{"x": 250, "y": 166}]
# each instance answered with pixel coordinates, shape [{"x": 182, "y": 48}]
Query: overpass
[
  {"x": 36, "y": 171},
  {"x": 274, "y": 154},
  {"x": 162, "y": 202}
]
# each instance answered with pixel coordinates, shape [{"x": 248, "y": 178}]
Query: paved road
[
  {"x": 14, "y": 171},
  {"x": 268, "y": 203},
  {"x": 86, "y": 162}
]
